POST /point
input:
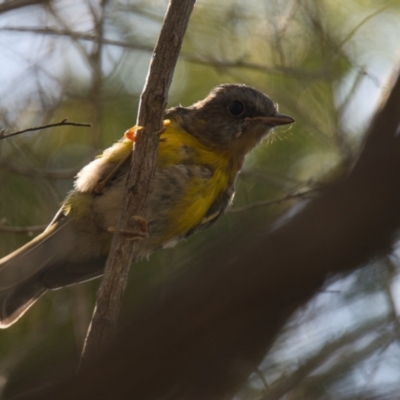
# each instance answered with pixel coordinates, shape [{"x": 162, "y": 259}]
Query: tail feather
[
  {"x": 50, "y": 261},
  {"x": 49, "y": 248},
  {"x": 21, "y": 272},
  {"x": 16, "y": 302}
]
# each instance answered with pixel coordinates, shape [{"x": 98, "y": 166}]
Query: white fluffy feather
[{"x": 90, "y": 175}]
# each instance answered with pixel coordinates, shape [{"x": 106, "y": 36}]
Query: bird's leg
[{"x": 134, "y": 234}]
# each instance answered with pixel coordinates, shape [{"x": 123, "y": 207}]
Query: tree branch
[{"x": 152, "y": 105}]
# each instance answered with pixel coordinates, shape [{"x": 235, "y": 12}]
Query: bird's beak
[{"x": 273, "y": 120}]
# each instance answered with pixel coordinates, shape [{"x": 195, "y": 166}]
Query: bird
[{"x": 201, "y": 151}]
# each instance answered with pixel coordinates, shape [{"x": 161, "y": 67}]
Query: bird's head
[{"x": 231, "y": 116}]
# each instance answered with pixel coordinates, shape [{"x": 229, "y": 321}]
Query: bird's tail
[
  {"x": 20, "y": 279},
  {"x": 14, "y": 303},
  {"x": 49, "y": 261}
]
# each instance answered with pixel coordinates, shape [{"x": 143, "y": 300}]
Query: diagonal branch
[{"x": 152, "y": 105}]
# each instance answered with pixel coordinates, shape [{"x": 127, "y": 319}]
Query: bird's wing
[{"x": 50, "y": 247}]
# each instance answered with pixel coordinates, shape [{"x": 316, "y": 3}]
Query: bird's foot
[{"x": 133, "y": 234}]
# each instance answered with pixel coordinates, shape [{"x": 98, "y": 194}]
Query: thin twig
[
  {"x": 79, "y": 36},
  {"x": 139, "y": 183},
  {"x": 265, "y": 203},
  {"x": 64, "y": 122},
  {"x": 363, "y": 22}
]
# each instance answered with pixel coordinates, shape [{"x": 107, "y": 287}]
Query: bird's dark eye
[{"x": 236, "y": 108}]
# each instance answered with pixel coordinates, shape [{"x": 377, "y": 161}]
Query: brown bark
[{"x": 139, "y": 184}]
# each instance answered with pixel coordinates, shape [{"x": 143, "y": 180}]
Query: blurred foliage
[{"x": 326, "y": 63}]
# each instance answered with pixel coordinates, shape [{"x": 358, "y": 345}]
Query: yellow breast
[{"x": 179, "y": 147}]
